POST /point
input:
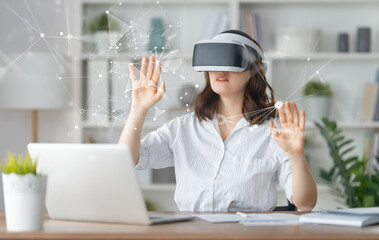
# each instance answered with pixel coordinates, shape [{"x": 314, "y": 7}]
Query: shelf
[
  {"x": 274, "y": 56},
  {"x": 307, "y": 1},
  {"x": 128, "y": 56},
  {"x": 112, "y": 125},
  {"x": 140, "y": 2},
  {"x": 348, "y": 125}
]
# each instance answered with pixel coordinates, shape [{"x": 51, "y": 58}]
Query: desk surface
[{"x": 196, "y": 229}]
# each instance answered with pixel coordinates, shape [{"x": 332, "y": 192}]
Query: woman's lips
[{"x": 222, "y": 79}]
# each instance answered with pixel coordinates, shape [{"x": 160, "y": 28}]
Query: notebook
[{"x": 355, "y": 217}]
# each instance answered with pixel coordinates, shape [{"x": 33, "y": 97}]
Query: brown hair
[{"x": 257, "y": 105}]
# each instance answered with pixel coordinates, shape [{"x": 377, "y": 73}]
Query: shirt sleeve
[
  {"x": 155, "y": 151},
  {"x": 284, "y": 174}
]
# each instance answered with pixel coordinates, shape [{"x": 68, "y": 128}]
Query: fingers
[
  {"x": 161, "y": 90},
  {"x": 132, "y": 72},
  {"x": 302, "y": 119},
  {"x": 143, "y": 68},
  {"x": 151, "y": 68},
  {"x": 157, "y": 73},
  {"x": 282, "y": 117},
  {"x": 295, "y": 114},
  {"x": 289, "y": 112},
  {"x": 273, "y": 130}
]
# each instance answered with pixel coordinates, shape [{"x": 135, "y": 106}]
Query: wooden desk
[{"x": 196, "y": 229}]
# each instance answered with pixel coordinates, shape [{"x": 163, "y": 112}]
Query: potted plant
[
  {"x": 104, "y": 32},
  {"x": 24, "y": 193},
  {"x": 350, "y": 177},
  {"x": 317, "y": 99}
]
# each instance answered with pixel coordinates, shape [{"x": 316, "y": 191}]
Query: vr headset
[{"x": 229, "y": 52}]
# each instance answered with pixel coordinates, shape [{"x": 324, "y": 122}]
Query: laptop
[{"x": 94, "y": 182}]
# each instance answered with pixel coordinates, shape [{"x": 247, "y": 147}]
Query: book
[
  {"x": 339, "y": 219},
  {"x": 253, "y": 26},
  {"x": 368, "y": 103},
  {"x": 376, "y": 115},
  {"x": 355, "y": 217}
]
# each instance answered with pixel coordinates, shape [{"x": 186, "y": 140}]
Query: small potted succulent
[
  {"x": 24, "y": 193},
  {"x": 317, "y": 99}
]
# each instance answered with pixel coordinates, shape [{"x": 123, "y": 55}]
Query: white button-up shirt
[{"x": 240, "y": 174}]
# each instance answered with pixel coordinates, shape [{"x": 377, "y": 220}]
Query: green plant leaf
[{"x": 24, "y": 164}]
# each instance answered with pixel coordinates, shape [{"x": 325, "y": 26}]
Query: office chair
[{"x": 289, "y": 207}]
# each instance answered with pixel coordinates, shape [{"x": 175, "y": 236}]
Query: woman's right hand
[{"x": 145, "y": 89}]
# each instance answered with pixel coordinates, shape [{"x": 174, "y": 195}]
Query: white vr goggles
[{"x": 229, "y": 52}]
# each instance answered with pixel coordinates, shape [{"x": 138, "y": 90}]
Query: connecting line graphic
[{"x": 130, "y": 46}]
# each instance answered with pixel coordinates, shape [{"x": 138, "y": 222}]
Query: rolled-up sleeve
[
  {"x": 284, "y": 175},
  {"x": 155, "y": 151}
]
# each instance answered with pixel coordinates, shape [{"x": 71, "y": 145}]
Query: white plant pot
[
  {"x": 24, "y": 200},
  {"x": 316, "y": 107},
  {"x": 297, "y": 40}
]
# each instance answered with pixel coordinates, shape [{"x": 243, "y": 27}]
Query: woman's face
[{"x": 229, "y": 83}]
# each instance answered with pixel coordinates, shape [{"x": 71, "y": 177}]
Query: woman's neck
[{"x": 231, "y": 107}]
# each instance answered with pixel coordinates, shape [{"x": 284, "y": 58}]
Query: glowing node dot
[
  {"x": 187, "y": 110},
  {"x": 162, "y": 47},
  {"x": 173, "y": 72},
  {"x": 255, "y": 126},
  {"x": 186, "y": 93},
  {"x": 181, "y": 98},
  {"x": 197, "y": 85},
  {"x": 170, "y": 25},
  {"x": 164, "y": 110},
  {"x": 42, "y": 35},
  {"x": 135, "y": 128},
  {"x": 278, "y": 104},
  {"x": 187, "y": 105},
  {"x": 61, "y": 33},
  {"x": 317, "y": 72},
  {"x": 60, "y": 78},
  {"x": 107, "y": 12},
  {"x": 113, "y": 110},
  {"x": 155, "y": 119},
  {"x": 157, "y": 2},
  {"x": 308, "y": 59},
  {"x": 135, "y": 48},
  {"x": 100, "y": 75},
  {"x": 76, "y": 127},
  {"x": 120, "y": 4},
  {"x": 155, "y": 47}
]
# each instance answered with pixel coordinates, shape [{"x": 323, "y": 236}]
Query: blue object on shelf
[{"x": 156, "y": 38}]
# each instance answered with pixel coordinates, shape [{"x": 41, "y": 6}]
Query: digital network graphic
[{"x": 128, "y": 38}]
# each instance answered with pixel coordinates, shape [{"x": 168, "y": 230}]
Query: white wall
[{"x": 18, "y": 27}]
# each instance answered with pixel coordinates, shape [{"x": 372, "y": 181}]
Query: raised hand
[
  {"x": 145, "y": 89},
  {"x": 291, "y": 136}
]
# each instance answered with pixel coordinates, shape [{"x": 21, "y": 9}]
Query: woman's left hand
[{"x": 291, "y": 136}]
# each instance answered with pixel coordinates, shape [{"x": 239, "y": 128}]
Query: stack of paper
[
  {"x": 356, "y": 217},
  {"x": 253, "y": 219}
]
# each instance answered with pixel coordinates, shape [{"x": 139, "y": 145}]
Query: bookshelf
[{"x": 346, "y": 72}]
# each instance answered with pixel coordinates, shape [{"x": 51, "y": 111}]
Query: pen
[{"x": 242, "y": 214}]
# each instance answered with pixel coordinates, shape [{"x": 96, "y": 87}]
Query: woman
[{"x": 228, "y": 155}]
